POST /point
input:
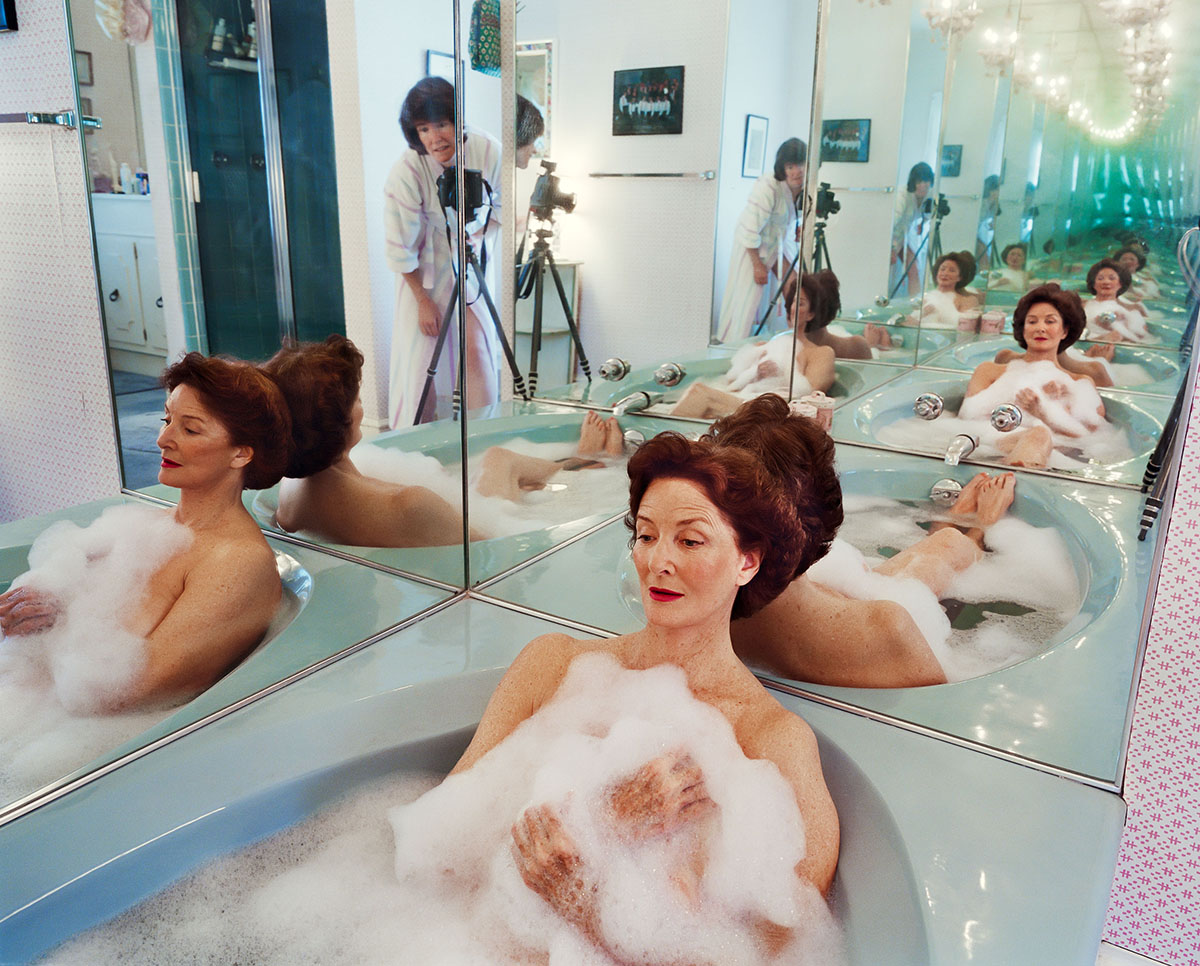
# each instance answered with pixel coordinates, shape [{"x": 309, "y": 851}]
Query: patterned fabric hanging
[
  {"x": 485, "y": 37},
  {"x": 127, "y": 20}
]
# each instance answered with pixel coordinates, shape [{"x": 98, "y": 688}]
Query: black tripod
[
  {"x": 935, "y": 252},
  {"x": 539, "y": 258},
  {"x": 820, "y": 260},
  {"x": 456, "y": 299}
]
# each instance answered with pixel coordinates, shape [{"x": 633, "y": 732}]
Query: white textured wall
[{"x": 56, "y": 431}]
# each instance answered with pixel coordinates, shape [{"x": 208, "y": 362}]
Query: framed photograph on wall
[
  {"x": 8, "y": 15},
  {"x": 951, "y": 160},
  {"x": 846, "y": 140},
  {"x": 439, "y": 64},
  {"x": 754, "y": 147},
  {"x": 648, "y": 100},
  {"x": 83, "y": 68}
]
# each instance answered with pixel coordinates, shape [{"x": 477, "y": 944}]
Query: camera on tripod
[
  {"x": 943, "y": 206},
  {"x": 547, "y": 195},
  {"x": 826, "y": 203},
  {"x": 447, "y": 184}
]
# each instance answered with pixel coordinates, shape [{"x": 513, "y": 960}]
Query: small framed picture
[
  {"x": 951, "y": 160},
  {"x": 83, "y": 68},
  {"x": 846, "y": 140},
  {"x": 85, "y": 108},
  {"x": 648, "y": 100},
  {"x": 439, "y": 64},
  {"x": 754, "y": 147},
  {"x": 8, "y": 15}
]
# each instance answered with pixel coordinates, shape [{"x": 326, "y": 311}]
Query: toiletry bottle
[
  {"x": 127, "y": 185},
  {"x": 218, "y": 40},
  {"x": 252, "y": 52}
]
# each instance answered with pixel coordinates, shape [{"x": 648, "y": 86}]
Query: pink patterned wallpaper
[
  {"x": 56, "y": 437},
  {"x": 1155, "y": 904}
]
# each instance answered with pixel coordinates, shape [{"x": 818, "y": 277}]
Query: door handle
[{"x": 114, "y": 295}]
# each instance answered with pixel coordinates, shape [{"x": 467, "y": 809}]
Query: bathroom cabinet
[{"x": 127, "y": 260}]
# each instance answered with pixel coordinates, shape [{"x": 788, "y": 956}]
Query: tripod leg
[
  {"x": 443, "y": 332},
  {"x": 535, "y": 337},
  {"x": 775, "y": 298},
  {"x": 571, "y": 323},
  {"x": 518, "y": 379}
]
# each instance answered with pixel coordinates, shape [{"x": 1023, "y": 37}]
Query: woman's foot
[{"x": 593, "y": 434}]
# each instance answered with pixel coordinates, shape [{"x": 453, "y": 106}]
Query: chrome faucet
[
  {"x": 614, "y": 370},
  {"x": 635, "y": 402},
  {"x": 669, "y": 374},
  {"x": 928, "y": 405},
  {"x": 633, "y": 439},
  {"x": 962, "y": 445},
  {"x": 1006, "y": 417},
  {"x": 945, "y": 492}
]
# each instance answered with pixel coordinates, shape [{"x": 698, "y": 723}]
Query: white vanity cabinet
[{"x": 131, "y": 293}]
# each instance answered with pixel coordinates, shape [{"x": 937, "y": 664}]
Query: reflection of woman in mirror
[
  {"x": 1061, "y": 404},
  {"x": 818, "y": 305},
  {"x": 910, "y": 227},
  {"x": 1111, "y": 318},
  {"x": 1010, "y": 275},
  {"x": 815, "y": 633},
  {"x": 213, "y": 587},
  {"x": 943, "y": 305},
  {"x": 713, "y": 537},
  {"x": 530, "y": 126},
  {"x": 1141, "y": 285},
  {"x": 771, "y": 209},
  {"x": 326, "y": 495},
  {"x": 989, "y": 208},
  {"x": 763, "y": 366},
  {"x": 419, "y": 252}
]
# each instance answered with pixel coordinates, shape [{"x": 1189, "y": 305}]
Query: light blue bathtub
[
  {"x": 942, "y": 849},
  {"x": 1163, "y": 366},
  {"x": 312, "y": 624},
  {"x": 1064, "y": 707},
  {"x": 1140, "y": 417}
]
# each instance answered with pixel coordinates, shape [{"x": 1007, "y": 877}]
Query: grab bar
[
  {"x": 702, "y": 175},
  {"x": 61, "y": 118},
  {"x": 887, "y": 189}
]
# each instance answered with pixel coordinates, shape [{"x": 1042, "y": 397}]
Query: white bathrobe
[
  {"x": 766, "y": 219},
  {"x": 415, "y": 238}
]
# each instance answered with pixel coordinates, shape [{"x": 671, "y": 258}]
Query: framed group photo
[
  {"x": 846, "y": 140},
  {"x": 648, "y": 100}
]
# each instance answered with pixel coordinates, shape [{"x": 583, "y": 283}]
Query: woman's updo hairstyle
[
  {"x": 966, "y": 267},
  {"x": 1014, "y": 247},
  {"x": 1134, "y": 251},
  {"x": 429, "y": 101},
  {"x": 247, "y": 403},
  {"x": 1125, "y": 277},
  {"x": 771, "y": 475},
  {"x": 320, "y": 381},
  {"x": 1067, "y": 304},
  {"x": 824, "y": 298}
]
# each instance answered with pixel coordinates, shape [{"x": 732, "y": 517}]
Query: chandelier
[
  {"x": 1135, "y": 13},
  {"x": 998, "y": 50},
  {"x": 952, "y": 16}
]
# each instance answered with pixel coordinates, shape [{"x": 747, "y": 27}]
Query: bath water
[
  {"x": 568, "y": 495},
  {"x": 446, "y": 890},
  {"x": 1123, "y": 374}
]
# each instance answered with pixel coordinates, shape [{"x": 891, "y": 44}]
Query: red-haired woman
[{"x": 225, "y": 429}]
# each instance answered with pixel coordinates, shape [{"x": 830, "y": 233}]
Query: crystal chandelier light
[
  {"x": 952, "y": 16},
  {"x": 998, "y": 50},
  {"x": 1135, "y": 13}
]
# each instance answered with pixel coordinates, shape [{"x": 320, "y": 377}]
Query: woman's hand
[
  {"x": 428, "y": 316},
  {"x": 761, "y": 272},
  {"x": 1101, "y": 351},
  {"x": 659, "y": 797},
  {"x": 1028, "y": 401},
  {"x": 551, "y": 866},
  {"x": 27, "y": 611}
]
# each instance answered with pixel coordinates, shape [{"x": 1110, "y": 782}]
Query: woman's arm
[
  {"x": 984, "y": 375},
  {"x": 819, "y": 367},
  {"x": 529, "y": 683}
]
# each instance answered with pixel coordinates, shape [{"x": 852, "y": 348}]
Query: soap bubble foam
[
  {"x": 54, "y": 685},
  {"x": 445, "y": 890}
]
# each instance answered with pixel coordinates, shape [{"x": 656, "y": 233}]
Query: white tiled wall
[{"x": 56, "y": 435}]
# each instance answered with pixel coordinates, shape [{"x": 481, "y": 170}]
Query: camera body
[
  {"x": 826, "y": 203},
  {"x": 943, "y": 206},
  {"x": 447, "y": 184},
  {"x": 547, "y": 195}
]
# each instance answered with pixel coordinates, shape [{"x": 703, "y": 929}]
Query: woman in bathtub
[
  {"x": 762, "y": 367},
  {"x": 1011, "y": 275},
  {"x": 714, "y": 536},
  {"x": 211, "y": 599},
  {"x": 1111, "y": 318},
  {"x": 1064, "y": 404},
  {"x": 943, "y": 305},
  {"x": 324, "y": 493},
  {"x": 1142, "y": 285}
]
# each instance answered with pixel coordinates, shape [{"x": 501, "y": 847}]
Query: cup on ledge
[
  {"x": 992, "y": 322},
  {"x": 968, "y": 322},
  {"x": 822, "y": 406}
]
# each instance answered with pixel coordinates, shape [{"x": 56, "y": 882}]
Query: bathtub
[
  {"x": 1165, "y": 368},
  {"x": 311, "y": 625},
  {"x": 1140, "y": 416},
  {"x": 941, "y": 847},
  {"x": 1064, "y": 707},
  {"x": 851, "y": 379}
]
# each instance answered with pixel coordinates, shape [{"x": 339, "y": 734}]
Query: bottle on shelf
[
  {"x": 252, "y": 34},
  {"x": 218, "y": 38}
]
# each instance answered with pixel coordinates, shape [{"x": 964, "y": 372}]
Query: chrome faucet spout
[
  {"x": 636, "y": 401},
  {"x": 962, "y": 445}
]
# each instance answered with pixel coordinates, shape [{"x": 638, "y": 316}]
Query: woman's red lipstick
[
  {"x": 170, "y": 464},
  {"x": 663, "y": 595}
]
